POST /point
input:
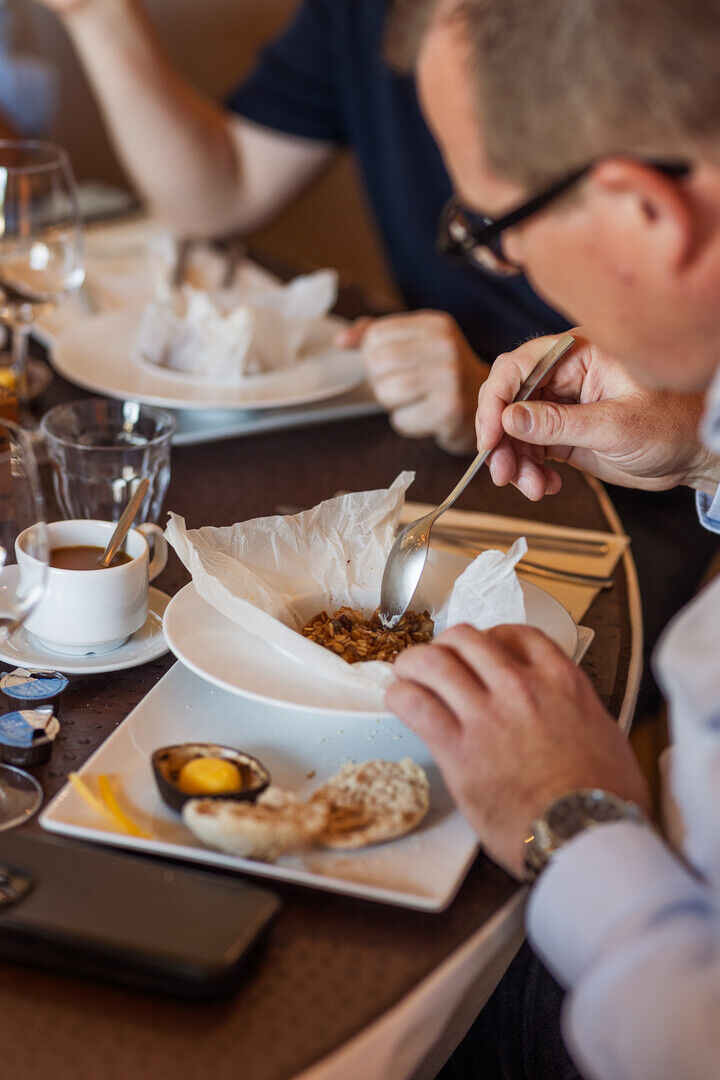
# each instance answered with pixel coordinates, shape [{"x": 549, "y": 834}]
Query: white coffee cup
[{"x": 93, "y": 611}]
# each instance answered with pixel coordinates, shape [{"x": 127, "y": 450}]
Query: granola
[{"x": 356, "y": 637}]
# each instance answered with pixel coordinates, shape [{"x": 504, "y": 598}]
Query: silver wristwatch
[{"x": 567, "y": 817}]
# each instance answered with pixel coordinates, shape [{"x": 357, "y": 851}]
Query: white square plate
[{"x": 423, "y": 870}]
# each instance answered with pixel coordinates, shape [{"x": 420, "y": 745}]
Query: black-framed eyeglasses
[{"x": 474, "y": 238}]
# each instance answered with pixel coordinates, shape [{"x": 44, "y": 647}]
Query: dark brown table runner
[{"x": 333, "y": 964}]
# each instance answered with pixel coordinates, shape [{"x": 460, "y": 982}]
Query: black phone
[{"x": 128, "y": 919}]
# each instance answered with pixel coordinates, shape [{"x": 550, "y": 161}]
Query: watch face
[
  {"x": 567, "y": 817},
  {"x": 570, "y": 815}
]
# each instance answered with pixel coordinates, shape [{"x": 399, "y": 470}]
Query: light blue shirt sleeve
[
  {"x": 628, "y": 927},
  {"x": 635, "y": 938},
  {"x": 708, "y": 509}
]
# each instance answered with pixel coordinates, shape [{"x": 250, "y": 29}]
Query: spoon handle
[
  {"x": 125, "y": 521},
  {"x": 536, "y": 376}
]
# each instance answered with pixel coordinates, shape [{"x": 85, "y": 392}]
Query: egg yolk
[{"x": 209, "y": 776}]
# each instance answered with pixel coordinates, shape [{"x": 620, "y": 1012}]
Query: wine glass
[
  {"x": 22, "y": 515},
  {"x": 41, "y": 239}
]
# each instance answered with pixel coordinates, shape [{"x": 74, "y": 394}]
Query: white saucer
[{"x": 148, "y": 643}]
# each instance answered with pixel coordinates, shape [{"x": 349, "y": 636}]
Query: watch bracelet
[{"x": 592, "y": 807}]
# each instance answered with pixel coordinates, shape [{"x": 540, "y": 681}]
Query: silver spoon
[
  {"x": 126, "y": 519},
  {"x": 408, "y": 554}
]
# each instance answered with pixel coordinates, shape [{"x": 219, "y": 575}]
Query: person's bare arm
[{"x": 201, "y": 168}]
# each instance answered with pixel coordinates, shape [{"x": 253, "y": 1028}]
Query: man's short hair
[{"x": 561, "y": 82}]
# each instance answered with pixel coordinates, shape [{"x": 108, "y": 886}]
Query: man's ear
[{"x": 662, "y": 204}]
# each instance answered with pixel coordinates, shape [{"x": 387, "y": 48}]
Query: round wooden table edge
[{"x": 635, "y": 662}]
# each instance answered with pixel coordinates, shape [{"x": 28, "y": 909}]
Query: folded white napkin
[
  {"x": 244, "y": 331},
  {"x": 272, "y": 575}
]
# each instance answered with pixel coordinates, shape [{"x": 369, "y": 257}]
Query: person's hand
[
  {"x": 424, "y": 373},
  {"x": 592, "y": 414},
  {"x": 513, "y": 725}
]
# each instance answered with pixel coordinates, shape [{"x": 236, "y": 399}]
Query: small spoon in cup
[{"x": 126, "y": 519}]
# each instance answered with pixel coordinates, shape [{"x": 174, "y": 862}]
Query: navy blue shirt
[{"x": 324, "y": 78}]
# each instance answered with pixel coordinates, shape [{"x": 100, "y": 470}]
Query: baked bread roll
[
  {"x": 274, "y": 825},
  {"x": 372, "y": 802}
]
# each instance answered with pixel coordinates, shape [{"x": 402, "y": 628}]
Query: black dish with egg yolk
[{"x": 168, "y": 763}]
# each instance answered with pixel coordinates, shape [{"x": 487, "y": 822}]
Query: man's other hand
[{"x": 423, "y": 371}]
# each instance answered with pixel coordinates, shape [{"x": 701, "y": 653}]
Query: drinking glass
[
  {"x": 41, "y": 238},
  {"x": 100, "y": 450},
  {"x": 21, "y": 510}
]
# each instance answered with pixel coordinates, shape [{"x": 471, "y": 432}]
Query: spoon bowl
[{"x": 403, "y": 570}]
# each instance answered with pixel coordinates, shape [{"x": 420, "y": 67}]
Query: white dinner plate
[
  {"x": 210, "y": 425},
  {"x": 97, "y": 355},
  {"x": 237, "y": 660},
  {"x": 22, "y": 649},
  {"x": 422, "y": 870}
]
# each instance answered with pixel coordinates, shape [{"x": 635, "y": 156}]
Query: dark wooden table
[{"x": 333, "y": 964}]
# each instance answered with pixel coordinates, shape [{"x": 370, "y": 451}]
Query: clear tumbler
[{"x": 100, "y": 450}]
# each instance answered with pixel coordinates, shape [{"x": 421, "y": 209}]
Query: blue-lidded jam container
[
  {"x": 33, "y": 689},
  {"x": 27, "y": 736}
]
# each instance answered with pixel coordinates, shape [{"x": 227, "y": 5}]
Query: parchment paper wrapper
[
  {"x": 226, "y": 337},
  {"x": 272, "y": 575}
]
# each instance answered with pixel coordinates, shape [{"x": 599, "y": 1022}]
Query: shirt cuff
[
  {"x": 709, "y": 510},
  {"x": 602, "y": 889}
]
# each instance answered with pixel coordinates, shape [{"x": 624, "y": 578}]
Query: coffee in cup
[
  {"x": 84, "y": 557},
  {"x": 92, "y": 609}
]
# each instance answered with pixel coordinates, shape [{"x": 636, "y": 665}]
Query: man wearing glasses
[
  {"x": 472, "y": 237},
  {"x": 321, "y": 86},
  {"x": 584, "y": 144}
]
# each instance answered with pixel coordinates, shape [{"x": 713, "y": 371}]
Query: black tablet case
[{"x": 142, "y": 922}]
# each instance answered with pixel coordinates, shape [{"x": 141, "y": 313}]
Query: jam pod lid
[
  {"x": 28, "y": 727},
  {"x": 24, "y": 685}
]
